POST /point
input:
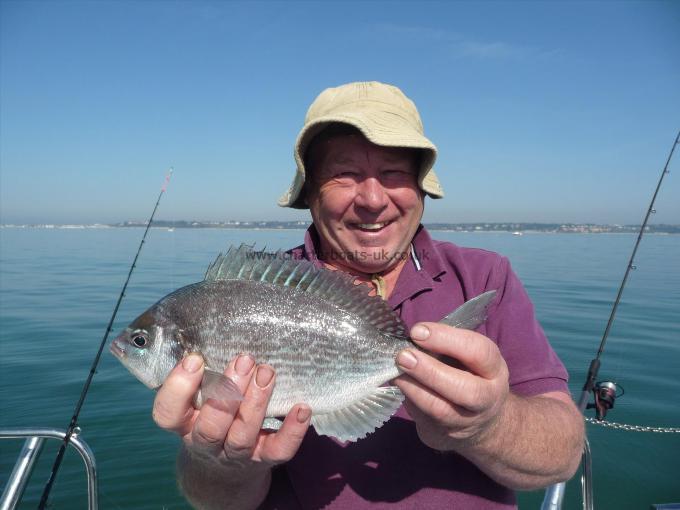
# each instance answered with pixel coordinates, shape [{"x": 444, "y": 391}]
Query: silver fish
[{"x": 332, "y": 345}]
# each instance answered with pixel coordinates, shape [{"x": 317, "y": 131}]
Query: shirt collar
[
  {"x": 417, "y": 276},
  {"x": 427, "y": 253},
  {"x": 310, "y": 246}
]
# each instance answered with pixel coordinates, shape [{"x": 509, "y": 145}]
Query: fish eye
[{"x": 139, "y": 338}]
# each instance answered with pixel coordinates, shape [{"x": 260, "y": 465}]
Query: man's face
[{"x": 365, "y": 202}]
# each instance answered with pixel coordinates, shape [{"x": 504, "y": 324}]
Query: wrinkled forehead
[{"x": 354, "y": 148}]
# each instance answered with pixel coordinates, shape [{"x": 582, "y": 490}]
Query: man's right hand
[{"x": 229, "y": 432}]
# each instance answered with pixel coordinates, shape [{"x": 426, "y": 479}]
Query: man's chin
[{"x": 374, "y": 260}]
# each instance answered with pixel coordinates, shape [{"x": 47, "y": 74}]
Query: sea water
[{"x": 58, "y": 288}]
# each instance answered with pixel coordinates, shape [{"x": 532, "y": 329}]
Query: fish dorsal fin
[
  {"x": 362, "y": 417},
  {"x": 337, "y": 287},
  {"x": 234, "y": 263},
  {"x": 472, "y": 313}
]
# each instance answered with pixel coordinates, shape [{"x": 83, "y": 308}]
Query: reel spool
[{"x": 606, "y": 393}]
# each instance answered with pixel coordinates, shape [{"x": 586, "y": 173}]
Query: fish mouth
[{"x": 116, "y": 350}]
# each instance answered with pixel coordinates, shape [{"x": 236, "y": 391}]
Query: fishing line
[
  {"x": 594, "y": 367},
  {"x": 74, "y": 419}
]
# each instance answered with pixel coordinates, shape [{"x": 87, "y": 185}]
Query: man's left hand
[{"x": 457, "y": 402}]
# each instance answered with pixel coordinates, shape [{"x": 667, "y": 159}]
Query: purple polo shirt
[{"x": 391, "y": 468}]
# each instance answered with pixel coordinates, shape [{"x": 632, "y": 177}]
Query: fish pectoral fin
[
  {"x": 272, "y": 423},
  {"x": 361, "y": 417},
  {"x": 218, "y": 387},
  {"x": 472, "y": 313}
]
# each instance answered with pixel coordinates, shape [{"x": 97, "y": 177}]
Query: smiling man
[
  {"x": 365, "y": 203},
  {"x": 486, "y": 412}
]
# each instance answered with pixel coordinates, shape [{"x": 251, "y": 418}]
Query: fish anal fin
[
  {"x": 361, "y": 417},
  {"x": 472, "y": 313}
]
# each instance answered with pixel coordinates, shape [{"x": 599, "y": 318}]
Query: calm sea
[{"x": 58, "y": 287}]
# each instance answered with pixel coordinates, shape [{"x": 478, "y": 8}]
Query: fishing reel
[{"x": 606, "y": 393}]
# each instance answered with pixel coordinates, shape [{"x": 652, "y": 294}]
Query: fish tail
[{"x": 472, "y": 313}]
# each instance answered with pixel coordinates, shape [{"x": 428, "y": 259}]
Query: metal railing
[
  {"x": 35, "y": 439},
  {"x": 554, "y": 495}
]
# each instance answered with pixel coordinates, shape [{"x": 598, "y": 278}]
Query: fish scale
[{"x": 332, "y": 345}]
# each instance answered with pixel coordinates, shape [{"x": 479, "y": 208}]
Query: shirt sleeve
[{"x": 533, "y": 365}]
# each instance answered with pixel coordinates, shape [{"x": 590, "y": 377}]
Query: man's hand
[
  {"x": 227, "y": 435},
  {"x": 453, "y": 403},
  {"x": 458, "y": 394}
]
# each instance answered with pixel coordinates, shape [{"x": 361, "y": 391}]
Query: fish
[{"x": 333, "y": 346}]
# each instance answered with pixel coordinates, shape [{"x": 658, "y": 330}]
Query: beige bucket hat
[{"x": 382, "y": 113}]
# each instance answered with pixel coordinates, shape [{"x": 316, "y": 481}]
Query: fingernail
[
  {"x": 244, "y": 364},
  {"x": 303, "y": 414},
  {"x": 192, "y": 363},
  {"x": 420, "y": 332},
  {"x": 406, "y": 359},
  {"x": 263, "y": 376}
]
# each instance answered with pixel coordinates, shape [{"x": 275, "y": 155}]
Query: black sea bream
[{"x": 332, "y": 345}]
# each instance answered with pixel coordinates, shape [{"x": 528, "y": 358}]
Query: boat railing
[
  {"x": 554, "y": 495},
  {"x": 23, "y": 468},
  {"x": 35, "y": 439}
]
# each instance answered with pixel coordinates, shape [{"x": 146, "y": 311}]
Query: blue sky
[{"x": 542, "y": 111}]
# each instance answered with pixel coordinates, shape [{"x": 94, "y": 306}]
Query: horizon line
[{"x": 190, "y": 223}]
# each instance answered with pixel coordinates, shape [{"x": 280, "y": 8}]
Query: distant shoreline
[{"x": 485, "y": 227}]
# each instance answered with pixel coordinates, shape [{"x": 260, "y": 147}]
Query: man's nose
[{"x": 371, "y": 194}]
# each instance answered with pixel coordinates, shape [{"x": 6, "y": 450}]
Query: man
[{"x": 486, "y": 412}]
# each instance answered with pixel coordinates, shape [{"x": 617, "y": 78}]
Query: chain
[{"x": 633, "y": 428}]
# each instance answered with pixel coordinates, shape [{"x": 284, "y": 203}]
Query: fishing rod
[
  {"x": 605, "y": 392},
  {"x": 74, "y": 419}
]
